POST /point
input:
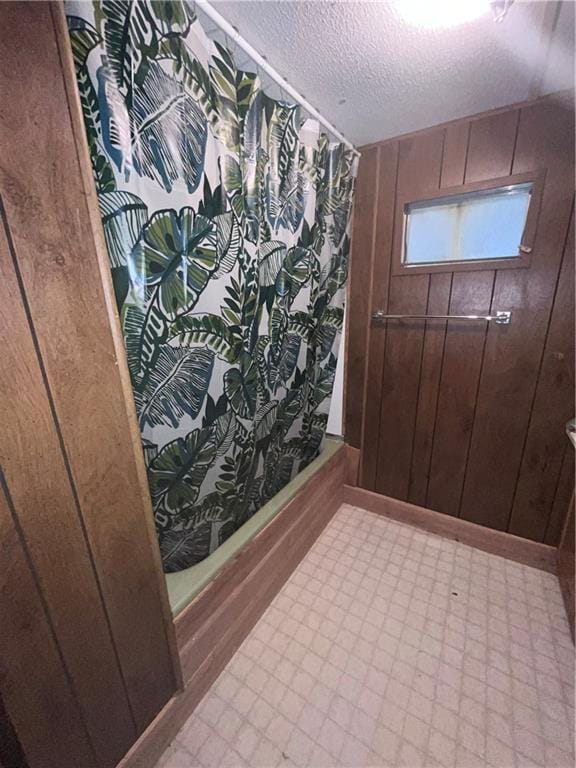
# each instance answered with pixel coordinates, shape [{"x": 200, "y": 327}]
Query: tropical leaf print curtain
[{"x": 226, "y": 218}]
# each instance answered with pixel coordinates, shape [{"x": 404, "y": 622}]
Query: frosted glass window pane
[{"x": 475, "y": 226}]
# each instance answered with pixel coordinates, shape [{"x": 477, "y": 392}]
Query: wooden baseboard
[
  {"x": 496, "y": 542},
  {"x": 214, "y": 625}
]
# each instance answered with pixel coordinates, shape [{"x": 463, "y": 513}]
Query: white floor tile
[{"x": 392, "y": 648}]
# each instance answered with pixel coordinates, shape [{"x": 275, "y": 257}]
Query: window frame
[{"x": 523, "y": 260}]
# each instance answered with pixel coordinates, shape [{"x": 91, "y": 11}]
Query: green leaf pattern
[{"x": 226, "y": 216}]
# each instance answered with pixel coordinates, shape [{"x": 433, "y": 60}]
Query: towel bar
[{"x": 500, "y": 317}]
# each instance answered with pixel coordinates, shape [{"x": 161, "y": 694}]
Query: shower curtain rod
[{"x": 232, "y": 33}]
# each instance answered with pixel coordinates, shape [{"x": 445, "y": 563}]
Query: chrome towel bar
[{"x": 500, "y": 317}]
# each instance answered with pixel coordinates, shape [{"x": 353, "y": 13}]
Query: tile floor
[{"x": 393, "y": 647}]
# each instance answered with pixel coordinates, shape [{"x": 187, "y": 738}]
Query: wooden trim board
[
  {"x": 505, "y": 545},
  {"x": 214, "y": 625}
]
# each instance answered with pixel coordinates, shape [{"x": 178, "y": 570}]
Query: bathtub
[{"x": 185, "y": 585}]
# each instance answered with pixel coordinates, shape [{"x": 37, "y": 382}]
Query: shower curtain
[{"x": 226, "y": 217}]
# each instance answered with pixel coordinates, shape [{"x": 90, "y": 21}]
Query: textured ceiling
[{"x": 373, "y": 75}]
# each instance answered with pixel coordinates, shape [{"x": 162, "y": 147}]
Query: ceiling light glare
[{"x": 434, "y": 14}]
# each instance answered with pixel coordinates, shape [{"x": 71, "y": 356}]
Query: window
[{"x": 473, "y": 226}]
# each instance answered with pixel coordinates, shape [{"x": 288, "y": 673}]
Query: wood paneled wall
[
  {"x": 87, "y": 648},
  {"x": 442, "y": 460}
]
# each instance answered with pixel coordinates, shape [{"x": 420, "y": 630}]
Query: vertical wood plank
[
  {"x": 455, "y": 154},
  {"x": 34, "y": 680},
  {"x": 420, "y": 162},
  {"x": 452, "y": 174},
  {"x": 71, "y": 310},
  {"x": 36, "y": 474},
  {"x": 491, "y": 146},
  {"x": 553, "y": 405},
  {"x": 359, "y": 305},
  {"x": 471, "y": 294},
  {"x": 400, "y": 381},
  {"x": 489, "y": 155},
  {"x": 513, "y": 353},
  {"x": 381, "y": 265},
  {"x": 432, "y": 358}
]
